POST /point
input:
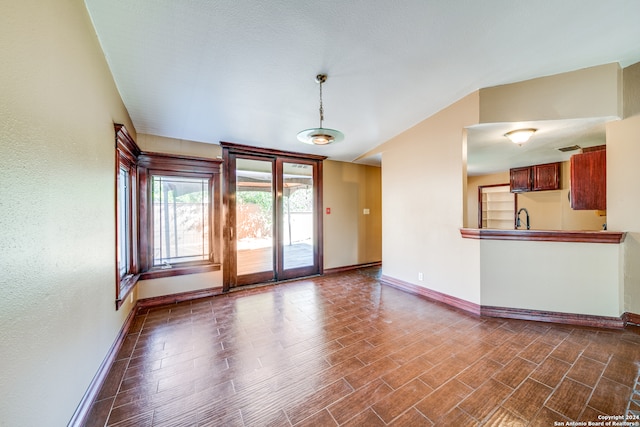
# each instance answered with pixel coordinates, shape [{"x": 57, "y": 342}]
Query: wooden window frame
[
  {"x": 141, "y": 166},
  {"x": 156, "y": 164},
  {"x": 127, "y": 153}
]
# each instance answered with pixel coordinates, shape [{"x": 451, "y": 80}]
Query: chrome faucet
[{"x": 518, "y": 218}]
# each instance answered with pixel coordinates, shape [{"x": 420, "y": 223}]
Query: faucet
[{"x": 518, "y": 218}]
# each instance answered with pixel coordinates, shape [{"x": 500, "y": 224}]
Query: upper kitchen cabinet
[
  {"x": 546, "y": 177},
  {"x": 589, "y": 180},
  {"x": 535, "y": 178},
  {"x": 520, "y": 179}
]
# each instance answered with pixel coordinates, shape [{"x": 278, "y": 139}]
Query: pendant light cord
[{"x": 321, "y": 108}]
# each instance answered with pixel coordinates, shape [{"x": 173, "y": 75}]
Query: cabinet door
[
  {"x": 546, "y": 177},
  {"x": 520, "y": 179},
  {"x": 589, "y": 181}
]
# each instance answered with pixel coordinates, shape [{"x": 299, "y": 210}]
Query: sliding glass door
[
  {"x": 274, "y": 216},
  {"x": 297, "y": 218},
  {"x": 254, "y": 220}
]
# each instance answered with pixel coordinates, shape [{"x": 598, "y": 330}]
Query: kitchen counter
[{"x": 544, "y": 235}]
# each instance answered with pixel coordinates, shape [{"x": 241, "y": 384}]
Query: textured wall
[{"x": 57, "y": 311}]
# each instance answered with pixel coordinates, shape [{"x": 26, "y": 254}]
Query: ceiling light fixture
[
  {"x": 320, "y": 135},
  {"x": 520, "y": 136}
]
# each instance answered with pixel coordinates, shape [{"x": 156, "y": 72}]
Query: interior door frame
[{"x": 230, "y": 151}]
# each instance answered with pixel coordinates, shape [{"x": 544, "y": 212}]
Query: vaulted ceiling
[{"x": 244, "y": 71}]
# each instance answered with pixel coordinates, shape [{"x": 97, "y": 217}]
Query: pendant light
[{"x": 320, "y": 135}]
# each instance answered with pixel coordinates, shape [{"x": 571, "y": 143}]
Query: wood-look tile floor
[{"x": 345, "y": 350}]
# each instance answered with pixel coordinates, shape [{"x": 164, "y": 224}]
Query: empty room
[{"x": 341, "y": 213}]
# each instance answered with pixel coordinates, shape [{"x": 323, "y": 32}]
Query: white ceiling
[{"x": 244, "y": 71}]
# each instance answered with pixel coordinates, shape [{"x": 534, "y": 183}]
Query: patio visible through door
[{"x": 274, "y": 216}]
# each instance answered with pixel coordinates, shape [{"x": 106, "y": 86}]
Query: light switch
[{"x": 365, "y": 211}]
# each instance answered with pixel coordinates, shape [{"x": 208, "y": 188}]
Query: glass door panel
[
  {"x": 273, "y": 205},
  {"x": 297, "y": 220},
  {"x": 254, "y": 218}
]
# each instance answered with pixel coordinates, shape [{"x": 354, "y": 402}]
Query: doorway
[{"x": 273, "y": 228}]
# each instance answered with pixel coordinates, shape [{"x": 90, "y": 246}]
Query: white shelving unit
[{"x": 497, "y": 204}]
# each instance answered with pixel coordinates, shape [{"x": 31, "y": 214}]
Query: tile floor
[{"x": 345, "y": 350}]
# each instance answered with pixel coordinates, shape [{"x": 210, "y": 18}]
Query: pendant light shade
[{"x": 320, "y": 135}]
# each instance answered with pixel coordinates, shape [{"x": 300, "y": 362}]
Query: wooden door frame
[{"x": 230, "y": 151}]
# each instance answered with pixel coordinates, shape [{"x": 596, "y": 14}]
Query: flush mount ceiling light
[
  {"x": 320, "y": 135},
  {"x": 520, "y": 136}
]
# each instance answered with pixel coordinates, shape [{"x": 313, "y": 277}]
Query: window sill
[
  {"x": 126, "y": 287},
  {"x": 157, "y": 273}
]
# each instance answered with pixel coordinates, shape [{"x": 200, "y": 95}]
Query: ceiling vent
[{"x": 569, "y": 148}]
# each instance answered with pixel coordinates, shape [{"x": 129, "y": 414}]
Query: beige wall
[
  {"x": 423, "y": 180},
  {"x": 591, "y": 92},
  {"x": 178, "y": 284},
  {"x": 623, "y": 202},
  {"x": 57, "y": 309},
  {"x": 551, "y": 276},
  {"x": 350, "y": 236},
  {"x": 180, "y": 147},
  {"x": 631, "y": 88}
]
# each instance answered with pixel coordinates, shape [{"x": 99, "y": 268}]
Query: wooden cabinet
[
  {"x": 535, "y": 178},
  {"x": 520, "y": 179},
  {"x": 546, "y": 177},
  {"x": 589, "y": 180}
]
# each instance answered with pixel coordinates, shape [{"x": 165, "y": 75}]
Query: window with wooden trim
[
  {"x": 180, "y": 220},
  {"x": 168, "y": 215},
  {"x": 126, "y": 214},
  {"x": 179, "y": 215}
]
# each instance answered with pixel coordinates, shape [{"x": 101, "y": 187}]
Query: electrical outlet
[{"x": 420, "y": 276}]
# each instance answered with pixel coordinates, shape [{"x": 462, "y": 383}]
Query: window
[
  {"x": 180, "y": 220},
  {"x": 168, "y": 215},
  {"x": 124, "y": 222},
  {"x": 179, "y": 215},
  {"x": 126, "y": 219}
]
